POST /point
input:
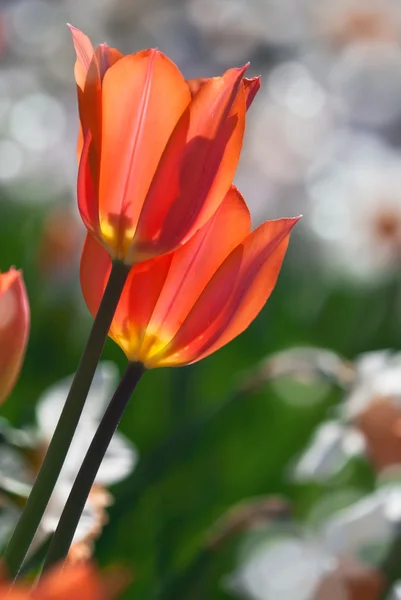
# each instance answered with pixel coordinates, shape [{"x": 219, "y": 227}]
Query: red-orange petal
[
  {"x": 94, "y": 272},
  {"x": 14, "y": 329},
  {"x": 197, "y": 167},
  {"x": 196, "y": 84},
  {"x": 81, "y": 582},
  {"x": 106, "y": 58},
  {"x": 251, "y": 86},
  {"x": 90, "y": 68},
  {"x": 137, "y": 302},
  {"x": 143, "y": 97},
  {"x": 194, "y": 264},
  {"x": 234, "y": 296},
  {"x": 86, "y": 193},
  {"x": 85, "y": 54}
]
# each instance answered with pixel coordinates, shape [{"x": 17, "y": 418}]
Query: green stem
[
  {"x": 47, "y": 477},
  {"x": 75, "y": 504}
]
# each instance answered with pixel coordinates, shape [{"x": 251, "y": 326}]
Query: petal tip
[{"x": 293, "y": 220}]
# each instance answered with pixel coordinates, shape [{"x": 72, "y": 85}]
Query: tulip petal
[
  {"x": 80, "y": 582},
  {"x": 106, "y": 58},
  {"x": 196, "y": 84},
  {"x": 90, "y": 68},
  {"x": 85, "y": 55},
  {"x": 197, "y": 166},
  {"x": 194, "y": 264},
  {"x": 142, "y": 290},
  {"x": 94, "y": 272},
  {"x": 14, "y": 329},
  {"x": 86, "y": 193},
  {"x": 251, "y": 87},
  {"x": 138, "y": 299},
  {"x": 143, "y": 97},
  {"x": 233, "y": 297}
]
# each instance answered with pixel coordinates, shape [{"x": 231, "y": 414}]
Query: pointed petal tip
[
  {"x": 294, "y": 220},
  {"x": 12, "y": 274}
]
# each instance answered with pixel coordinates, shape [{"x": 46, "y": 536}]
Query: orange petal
[
  {"x": 137, "y": 301},
  {"x": 196, "y": 84},
  {"x": 143, "y": 97},
  {"x": 94, "y": 272},
  {"x": 81, "y": 582},
  {"x": 87, "y": 197},
  {"x": 234, "y": 296},
  {"x": 142, "y": 290},
  {"x": 264, "y": 252},
  {"x": 197, "y": 167},
  {"x": 194, "y": 264},
  {"x": 106, "y": 58},
  {"x": 14, "y": 329},
  {"x": 90, "y": 68},
  {"x": 251, "y": 87},
  {"x": 85, "y": 55}
]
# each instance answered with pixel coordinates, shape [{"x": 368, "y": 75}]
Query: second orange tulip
[{"x": 178, "y": 308}]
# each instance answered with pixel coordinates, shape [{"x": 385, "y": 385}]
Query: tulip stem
[
  {"x": 75, "y": 504},
  {"x": 39, "y": 497}
]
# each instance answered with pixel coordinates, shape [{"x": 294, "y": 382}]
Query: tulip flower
[
  {"x": 158, "y": 153},
  {"x": 178, "y": 308},
  {"x": 14, "y": 329},
  {"x": 81, "y": 582}
]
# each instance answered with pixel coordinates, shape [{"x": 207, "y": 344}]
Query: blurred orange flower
[
  {"x": 81, "y": 582},
  {"x": 180, "y": 307},
  {"x": 14, "y": 328},
  {"x": 158, "y": 153}
]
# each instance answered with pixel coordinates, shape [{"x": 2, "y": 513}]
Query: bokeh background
[{"x": 323, "y": 139}]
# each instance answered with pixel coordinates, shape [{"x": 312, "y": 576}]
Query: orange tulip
[
  {"x": 178, "y": 308},
  {"x": 159, "y": 153},
  {"x": 14, "y": 328},
  {"x": 81, "y": 582}
]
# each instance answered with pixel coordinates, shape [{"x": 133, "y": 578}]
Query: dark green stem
[
  {"x": 46, "y": 480},
  {"x": 75, "y": 504}
]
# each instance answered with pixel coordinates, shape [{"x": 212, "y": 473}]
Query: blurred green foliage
[{"x": 204, "y": 445}]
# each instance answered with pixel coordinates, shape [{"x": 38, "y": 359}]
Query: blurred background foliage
[{"x": 317, "y": 143}]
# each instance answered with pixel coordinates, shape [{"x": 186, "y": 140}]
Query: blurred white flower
[
  {"x": 347, "y": 22},
  {"x": 378, "y": 377},
  {"x": 370, "y": 422},
  {"x": 374, "y": 406},
  {"x": 332, "y": 446},
  {"x": 367, "y": 524},
  {"x": 354, "y": 191},
  {"x": 120, "y": 458},
  {"x": 283, "y": 566},
  {"x": 396, "y": 592},
  {"x": 23, "y": 453}
]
